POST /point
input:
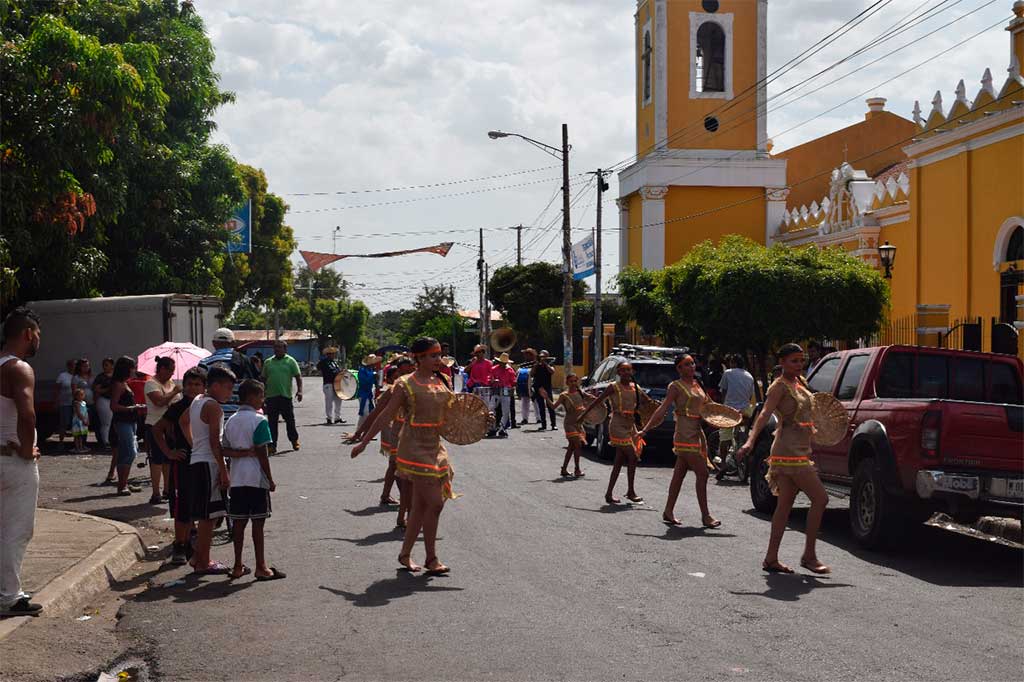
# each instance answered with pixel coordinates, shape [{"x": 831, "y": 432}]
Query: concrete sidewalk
[{"x": 72, "y": 557}]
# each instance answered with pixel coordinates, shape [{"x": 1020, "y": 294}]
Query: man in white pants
[
  {"x": 503, "y": 383},
  {"x": 19, "y": 473},
  {"x": 330, "y": 368}
]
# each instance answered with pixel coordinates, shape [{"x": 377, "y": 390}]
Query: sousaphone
[
  {"x": 345, "y": 385},
  {"x": 503, "y": 339}
]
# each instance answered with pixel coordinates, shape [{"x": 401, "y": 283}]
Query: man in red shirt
[
  {"x": 479, "y": 370},
  {"x": 503, "y": 382}
]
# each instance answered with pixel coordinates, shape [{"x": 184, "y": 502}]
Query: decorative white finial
[
  {"x": 961, "y": 92},
  {"x": 986, "y": 83},
  {"x": 1014, "y": 69},
  {"x": 937, "y": 102},
  {"x": 917, "y": 114}
]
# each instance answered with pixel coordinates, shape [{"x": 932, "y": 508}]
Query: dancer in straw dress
[
  {"x": 574, "y": 401},
  {"x": 688, "y": 443},
  {"x": 790, "y": 469},
  {"x": 624, "y": 434},
  {"x": 421, "y": 456}
]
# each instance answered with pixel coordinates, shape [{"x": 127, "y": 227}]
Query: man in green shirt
[{"x": 277, "y": 374}]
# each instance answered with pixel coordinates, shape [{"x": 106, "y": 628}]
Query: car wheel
[
  {"x": 876, "y": 517},
  {"x": 760, "y": 494},
  {"x": 589, "y": 437}
]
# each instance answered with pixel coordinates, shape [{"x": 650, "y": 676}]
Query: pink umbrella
[{"x": 185, "y": 356}]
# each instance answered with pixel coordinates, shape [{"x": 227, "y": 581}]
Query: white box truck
[{"x": 96, "y": 328}]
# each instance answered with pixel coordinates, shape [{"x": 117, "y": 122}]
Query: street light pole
[{"x": 566, "y": 254}]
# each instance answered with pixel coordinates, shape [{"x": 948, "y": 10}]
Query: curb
[{"x": 90, "y": 576}]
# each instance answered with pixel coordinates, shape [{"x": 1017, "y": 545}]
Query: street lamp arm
[{"x": 553, "y": 151}]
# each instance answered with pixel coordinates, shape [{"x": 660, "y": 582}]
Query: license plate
[
  {"x": 1008, "y": 487},
  {"x": 965, "y": 484}
]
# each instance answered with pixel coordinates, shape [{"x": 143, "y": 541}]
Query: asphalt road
[{"x": 548, "y": 582}]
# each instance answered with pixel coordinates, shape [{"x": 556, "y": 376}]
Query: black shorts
[
  {"x": 248, "y": 502},
  {"x": 204, "y": 500},
  {"x": 156, "y": 455},
  {"x": 177, "y": 486}
]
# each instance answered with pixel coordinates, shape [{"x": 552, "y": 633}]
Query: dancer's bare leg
[
  {"x": 433, "y": 506},
  {"x": 389, "y": 481},
  {"x": 414, "y": 525},
  {"x": 810, "y": 484},
  {"x": 614, "y": 477},
  {"x": 565, "y": 462},
  {"x": 576, "y": 448},
  {"x": 699, "y": 465},
  {"x": 678, "y": 474},
  {"x": 787, "y": 493},
  {"x": 631, "y": 460},
  {"x": 405, "y": 489}
]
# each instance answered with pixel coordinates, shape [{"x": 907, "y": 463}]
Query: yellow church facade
[{"x": 945, "y": 188}]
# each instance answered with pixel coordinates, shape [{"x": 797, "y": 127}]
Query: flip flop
[
  {"x": 636, "y": 499},
  {"x": 715, "y": 524},
  {"x": 775, "y": 567},
  {"x": 440, "y": 570},
  {"x": 215, "y": 568},
  {"x": 579, "y": 474},
  {"x": 670, "y": 522},
  {"x": 245, "y": 571},
  {"x": 274, "y": 575},
  {"x": 820, "y": 569}
]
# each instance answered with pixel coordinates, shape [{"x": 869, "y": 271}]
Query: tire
[
  {"x": 589, "y": 438},
  {"x": 760, "y": 494},
  {"x": 877, "y": 518}
]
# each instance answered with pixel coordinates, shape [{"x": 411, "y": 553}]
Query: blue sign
[
  {"x": 583, "y": 258},
  {"x": 239, "y": 228}
]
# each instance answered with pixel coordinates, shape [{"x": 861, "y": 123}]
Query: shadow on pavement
[
  {"x": 683, "y": 532},
  {"x": 383, "y": 592},
  {"x": 392, "y": 535},
  {"x": 613, "y": 508},
  {"x": 372, "y": 510},
  {"x": 790, "y": 587},
  {"x": 934, "y": 555},
  {"x": 193, "y": 588}
]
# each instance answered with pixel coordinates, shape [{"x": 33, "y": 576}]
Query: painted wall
[
  {"x": 809, "y": 166},
  {"x": 636, "y": 232},
  {"x": 644, "y": 114},
  {"x": 738, "y": 126},
  {"x": 745, "y": 219}
]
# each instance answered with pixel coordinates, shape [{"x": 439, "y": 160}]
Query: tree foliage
[
  {"x": 643, "y": 302},
  {"x": 110, "y": 184},
  {"x": 519, "y": 292},
  {"x": 324, "y": 283}
]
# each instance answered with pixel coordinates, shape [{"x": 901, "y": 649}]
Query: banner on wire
[
  {"x": 316, "y": 260},
  {"x": 239, "y": 229},
  {"x": 583, "y": 258}
]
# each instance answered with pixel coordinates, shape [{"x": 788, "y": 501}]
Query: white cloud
[{"x": 343, "y": 96}]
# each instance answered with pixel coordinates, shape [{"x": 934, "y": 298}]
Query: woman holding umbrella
[{"x": 161, "y": 392}]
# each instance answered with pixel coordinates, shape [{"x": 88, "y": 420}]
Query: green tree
[
  {"x": 324, "y": 283},
  {"x": 642, "y": 300},
  {"x": 386, "y": 328},
  {"x": 520, "y": 291},
  {"x": 110, "y": 184},
  {"x": 433, "y": 301}
]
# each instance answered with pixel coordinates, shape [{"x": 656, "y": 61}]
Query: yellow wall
[
  {"x": 636, "y": 232},
  {"x": 903, "y": 285},
  {"x": 681, "y": 235},
  {"x": 644, "y": 114},
  {"x": 738, "y": 127}
]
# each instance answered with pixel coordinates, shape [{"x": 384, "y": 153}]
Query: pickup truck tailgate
[{"x": 982, "y": 436}]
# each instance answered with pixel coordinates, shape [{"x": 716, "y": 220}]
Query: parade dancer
[
  {"x": 573, "y": 400},
  {"x": 790, "y": 469},
  {"x": 688, "y": 443},
  {"x": 421, "y": 455},
  {"x": 624, "y": 435},
  {"x": 389, "y": 434}
]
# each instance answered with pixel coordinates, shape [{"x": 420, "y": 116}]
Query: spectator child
[
  {"x": 251, "y": 480},
  {"x": 64, "y": 399},
  {"x": 79, "y": 421}
]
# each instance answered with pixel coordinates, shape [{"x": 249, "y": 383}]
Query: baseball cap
[{"x": 224, "y": 334}]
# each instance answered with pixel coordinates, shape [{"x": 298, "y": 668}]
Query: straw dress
[
  {"x": 622, "y": 430},
  {"x": 421, "y": 455},
  {"x": 574, "y": 405},
  {"x": 689, "y": 436},
  {"x": 791, "y": 449}
]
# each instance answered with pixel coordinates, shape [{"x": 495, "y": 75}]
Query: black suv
[{"x": 653, "y": 370}]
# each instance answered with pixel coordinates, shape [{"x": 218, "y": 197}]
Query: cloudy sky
[{"x": 352, "y": 98}]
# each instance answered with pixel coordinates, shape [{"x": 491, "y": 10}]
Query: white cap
[{"x": 224, "y": 334}]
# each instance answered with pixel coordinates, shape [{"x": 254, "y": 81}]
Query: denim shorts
[{"x": 127, "y": 446}]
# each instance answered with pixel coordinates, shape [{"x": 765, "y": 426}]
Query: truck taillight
[{"x": 931, "y": 427}]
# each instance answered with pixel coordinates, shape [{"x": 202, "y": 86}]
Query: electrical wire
[{"x": 429, "y": 185}]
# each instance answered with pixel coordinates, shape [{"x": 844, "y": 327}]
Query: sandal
[
  {"x": 565, "y": 474},
  {"x": 819, "y": 568},
  {"x": 385, "y": 501},
  {"x": 670, "y": 522},
  {"x": 407, "y": 562},
  {"x": 775, "y": 567},
  {"x": 245, "y": 571},
  {"x": 612, "y": 500},
  {"x": 215, "y": 568},
  {"x": 715, "y": 523},
  {"x": 400, "y": 524},
  {"x": 440, "y": 569},
  {"x": 578, "y": 474},
  {"x": 274, "y": 575},
  {"x": 634, "y": 498}
]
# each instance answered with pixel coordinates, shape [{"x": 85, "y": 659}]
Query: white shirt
[
  {"x": 154, "y": 411},
  {"x": 201, "y": 451},
  {"x": 738, "y": 386},
  {"x": 64, "y": 380},
  {"x": 245, "y": 429}
]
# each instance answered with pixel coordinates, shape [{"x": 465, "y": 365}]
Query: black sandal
[
  {"x": 440, "y": 570},
  {"x": 775, "y": 567}
]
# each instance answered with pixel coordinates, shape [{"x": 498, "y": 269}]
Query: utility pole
[
  {"x": 519, "y": 245},
  {"x": 455, "y": 311},
  {"x": 334, "y": 238},
  {"x": 598, "y": 328},
  {"x": 566, "y": 255},
  {"x": 480, "y": 269},
  {"x": 485, "y": 314}
]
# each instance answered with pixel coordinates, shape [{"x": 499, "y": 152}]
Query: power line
[{"x": 429, "y": 185}]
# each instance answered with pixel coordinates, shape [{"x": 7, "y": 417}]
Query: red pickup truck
[{"x": 930, "y": 429}]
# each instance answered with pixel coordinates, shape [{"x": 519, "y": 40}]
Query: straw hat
[
  {"x": 371, "y": 359},
  {"x": 330, "y": 350},
  {"x": 448, "y": 361},
  {"x": 830, "y": 418},
  {"x": 597, "y": 415},
  {"x": 504, "y": 359},
  {"x": 720, "y": 416},
  {"x": 465, "y": 420}
]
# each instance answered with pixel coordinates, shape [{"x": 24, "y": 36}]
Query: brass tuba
[{"x": 503, "y": 339}]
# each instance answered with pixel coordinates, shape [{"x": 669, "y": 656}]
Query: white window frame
[
  {"x": 644, "y": 101},
  {"x": 697, "y": 19}
]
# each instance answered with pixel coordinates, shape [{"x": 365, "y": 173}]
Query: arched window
[
  {"x": 710, "y": 58},
  {"x": 646, "y": 60},
  {"x": 1015, "y": 247}
]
